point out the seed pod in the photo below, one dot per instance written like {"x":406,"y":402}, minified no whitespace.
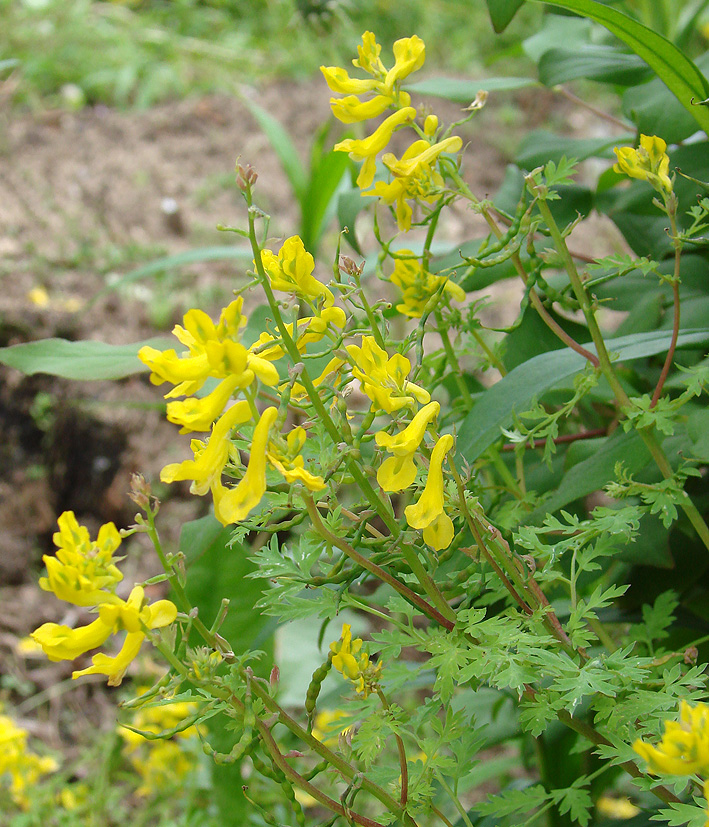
{"x":319,"y":675}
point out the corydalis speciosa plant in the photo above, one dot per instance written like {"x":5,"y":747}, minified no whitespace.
{"x":338,"y":433}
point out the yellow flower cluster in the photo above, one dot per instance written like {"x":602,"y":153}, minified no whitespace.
{"x":214,"y":352}
{"x":364,"y":675}
{"x":418,"y":286}
{"x":384,"y":380}
{"x":83,"y":573}
{"x":649,"y":162}
{"x":414,"y":177}
{"x":18,"y":763}
{"x":684,"y":748}
{"x":162,"y":762}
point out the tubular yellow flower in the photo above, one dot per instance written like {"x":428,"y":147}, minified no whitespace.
{"x":339,"y":81}
{"x":364,"y":675}
{"x":136,"y":617}
{"x":367,"y":149}
{"x":290,"y":463}
{"x":352,"y":110}
{"x":199,"y":414}
{"x":344,"y":651}
{"x":292,"y":272}
{"x":383,"y":379}
{"x":410,"y":54}
{"x":649,"y":162}
{"x":684,"y":748}
{"x":418,"y":285}
{"x":399,"y":472}
{"x":414,"y":177}
{"x":213,"y":350}
{"x":428,"y":513}
{"x":82,"y":572}
{"x":61,"y":642}
{"x":234,"y":504}
{"x":209,"y":461}
{"x":369,"y":59}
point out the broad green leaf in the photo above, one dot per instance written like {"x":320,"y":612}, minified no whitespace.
{"x":320,"y":199}
{"x":502,"y":11}
{"x":349,"y":205}
{"x":533,"y":338}
{"x":557,"y":32}
{"x":606,"y":64}
{"x":592,"y":473}
{"x":88,"y":361}
{"x":283,"y":147}
{"x":167,"y":263}
{"x":216,"y":571}
{"x":541,"y":146}
{"x":494,"y":409}
{"x":464,"y":91}
{"x":656,"y":111}
{"x":672,"y":66}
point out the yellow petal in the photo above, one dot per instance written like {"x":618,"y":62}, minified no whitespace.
{"x":430,"y":503}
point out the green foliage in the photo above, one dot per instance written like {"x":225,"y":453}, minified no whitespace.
{"x":506,"y":608}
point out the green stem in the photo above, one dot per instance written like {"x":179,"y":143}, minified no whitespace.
{"x":379,"y":502}
{"x":402,"y":755}
{"x":607,"y":370}
{"x":454,"y":798}
{"x":492,"y":357}
{"x":544,"y":315}
{"x":670,"y":205}
{"x":373,"y":568}
{"x":453,"y":361}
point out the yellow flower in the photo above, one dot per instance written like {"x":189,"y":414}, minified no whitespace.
{"x":684,"y":748}
{"x":383,"y":379}
{"x":618,"y":808}
{"x":61,"y":642}
{"x":209,"y":460}
{"x":649,"y":162}
{"x":234,"y":504}
{"x":290,"y":463}
{"x":292,"y":272}
{"x":414,"y":177}
{"x":339,"y":81}
{"x":82,"y":572}
{"x":308,"y":330}
{"x":351,"y":109}
{"x":409,"y":54}
{"x":136,"y":616}
{"x":326,"y":728}
{"x":367,"y":149}
{"x":399,"y":472}
{"x":23,"y":767}
{"x":364,"y":675}
{"x":213,"y":350}
{"x":428,"y":513}
{"x":418,"y":285}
